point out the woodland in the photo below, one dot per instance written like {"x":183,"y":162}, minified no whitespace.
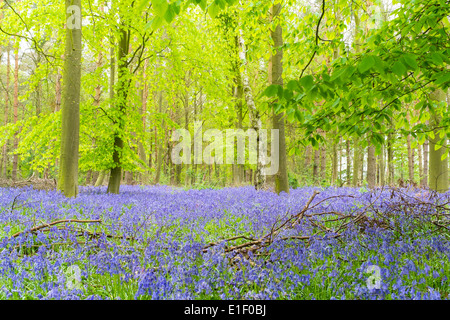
{"x":94,"y":93}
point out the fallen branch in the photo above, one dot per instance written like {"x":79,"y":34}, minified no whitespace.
{"x":48,"y":225}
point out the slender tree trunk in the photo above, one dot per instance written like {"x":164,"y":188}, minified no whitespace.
{"x":349,"y":165}
{"x":356,"y":162}
{"x":238,"y":94}
{"x":120,"y":105}
{"x":362,"y":156}
{"x":88,"y":178}
{"x":58,"y":91}
{"x":16,"y":106}
{"x":381,"y":167}
{"x":323,"y":162}
{"x":5,"y":146}
{"x":97,"y":98}
{"x":255,"y":116}
{"x":424,"y":182}
{"x":371,"y":167}
{"x":420,"y":156}
{"x":100,"y":179}
{"x":316,"y":166}
{"x":308,"y":156}
{"x":390,"y":154}
{"x":410,"y":159}
{"x":438,"y":173}
{"x":335,"y":162}
{"x":276,"y":77}
{"x":70,"y":112}
{"x":160,"y":146}
{"x":142,"y":155}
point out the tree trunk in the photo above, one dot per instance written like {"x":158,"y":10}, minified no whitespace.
{"x":371,"y":167}
{"x":438,"y":176}
{"x":334,"y":171}
{"x":5,"y":146}
{"x":256,"y":124}
{"x":100,"y":179}
{"x":390,"y":154}
{"x":88,"y":178}
{"x":410,"y":159}
{"x":276,"y":77}
{"x":349,"y":166}
{"x":128,"y":178}
{"x":160,"y":156}
{"x":70,"y":112}
{"x":121,"y":105}
{"x":356,"y":162}
{"x":16,"y":106}
{"x":361,"y":172}
{"x":58,"y":91}
{"x":316,"y":166}
{"x":308,"y":156}
{"x":142,"y":155}
{"x":424,"y":182}
{"x":381,"y":167}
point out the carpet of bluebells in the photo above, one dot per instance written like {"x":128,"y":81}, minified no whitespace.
{"x":150,"y":239}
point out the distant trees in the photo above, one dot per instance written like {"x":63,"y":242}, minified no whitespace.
{"x":351,"y":109}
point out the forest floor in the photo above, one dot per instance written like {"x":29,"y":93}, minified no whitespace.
{"x":160,"y":242}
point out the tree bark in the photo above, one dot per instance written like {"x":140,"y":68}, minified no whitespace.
{"x":424,"y":182}
{"x":159,"y":146}
{"x":316,"y":166}
{"x":438,"y":172}
{"x":349,"y":165}
{"x":410,"y":157}
{"x":70,"y":112}
{"x":16,"y":107}
{"x":120,"y":105}
{"x":381,"y":167}
{"x":276,"y":77}
{"x":335,"y":162}
{"x":356,"y":162}
{"x":371,"y":167}
{"x":5,"y":146}
{"x":323,"y":162}
{"x":256,"y":124}
{"x":100,"y":179}
{"x":390,"y":154}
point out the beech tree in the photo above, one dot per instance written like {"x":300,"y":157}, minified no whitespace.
{"x":70,"y":108}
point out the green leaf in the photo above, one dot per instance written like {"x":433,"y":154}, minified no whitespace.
{"x":411,"y":61}
{"x":270,"y":91}
{"x":170,"y":14}
{"x":299,"y":115}
{"x":213,"y":10}
{"x":160,"y":7}
{"x":348,"y":72}
{"x":293,"y":85}
{"x":143,"y":4}
{"x":444,"y":156}
{"x":436,"y":58}
{"x":398,"y":68}
{"x":336,"y":102}
{"x":287,"y":94}
{"x":443,"y":78}
{"x":202,"y":4}
{"x":366,"y":63}
{"x":155,"y":23}
{"x":280,"y":92}
{"x":307,"y":82}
